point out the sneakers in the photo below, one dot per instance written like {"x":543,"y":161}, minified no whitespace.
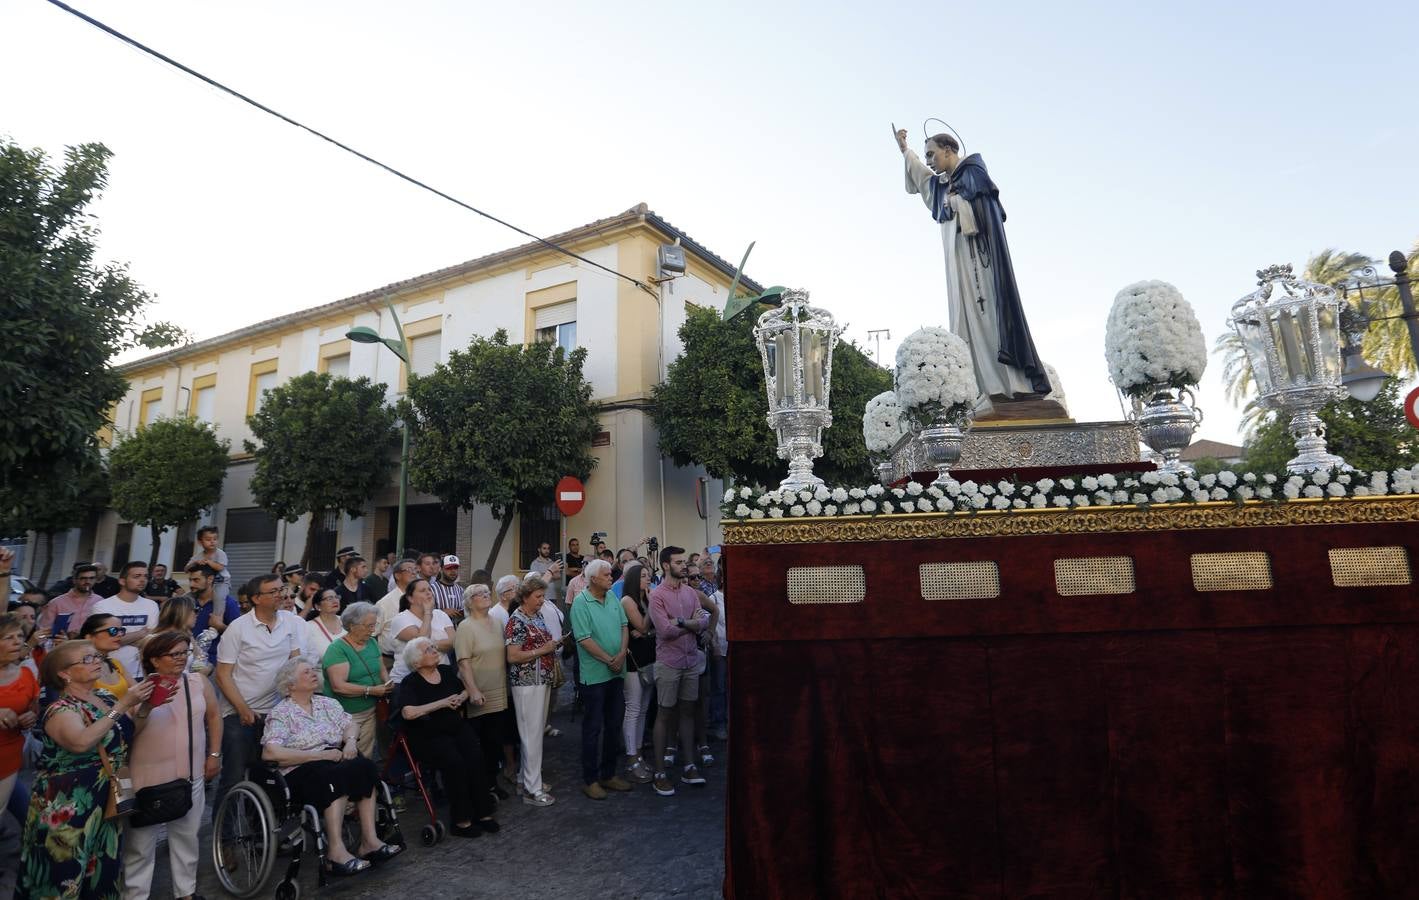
{"x":692,"y":775}
{"x":639,"y":772}
{"x":615,"y":783}
{"x":706,"y":757}
{"x":594,"y":791}
{"x":662,"y":785}
{"x":541,"y":798}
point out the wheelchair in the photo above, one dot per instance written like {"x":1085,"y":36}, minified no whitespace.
{"x":258,"y":820}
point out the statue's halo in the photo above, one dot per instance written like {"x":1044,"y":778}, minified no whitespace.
{"x":927,"y":131}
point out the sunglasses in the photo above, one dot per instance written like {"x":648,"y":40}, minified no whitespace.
{"x":114,"y":630}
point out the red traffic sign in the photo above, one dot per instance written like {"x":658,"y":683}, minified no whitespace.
{"x":1411,"y":407}
{"x":571,"y":495}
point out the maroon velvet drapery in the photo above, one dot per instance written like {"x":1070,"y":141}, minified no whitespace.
{"x":1166,"y":743}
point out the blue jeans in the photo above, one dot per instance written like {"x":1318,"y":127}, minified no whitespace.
{"x":241,"y":747}
{"x":719,"y":696}
{"x":603,"y":709}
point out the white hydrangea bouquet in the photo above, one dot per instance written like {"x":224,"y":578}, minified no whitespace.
{"x":882,"y":424}
{"x":1153,"y":340}
{"x":935,"y":379}
{"x":1133,"y":489}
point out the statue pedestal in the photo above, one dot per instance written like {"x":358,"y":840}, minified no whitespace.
{"x":1019,"y":443}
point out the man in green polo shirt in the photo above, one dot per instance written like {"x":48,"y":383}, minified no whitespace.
{"x":599,"y":623}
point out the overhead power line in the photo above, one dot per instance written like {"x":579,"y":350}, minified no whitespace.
{"x":139,"y":45}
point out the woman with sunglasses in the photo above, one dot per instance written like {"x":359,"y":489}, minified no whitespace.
{"x":69,"y":849}
{"x":104,"y":632}
{"x":174,"y":745}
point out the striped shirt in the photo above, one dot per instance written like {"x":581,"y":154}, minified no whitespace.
{"x":447,"y":597}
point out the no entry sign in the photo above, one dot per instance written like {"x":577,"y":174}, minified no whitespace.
{"x":571,"y":495}
{"x":1411,"y":407}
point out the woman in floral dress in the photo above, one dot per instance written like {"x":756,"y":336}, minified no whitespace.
{"x":69,"y":849}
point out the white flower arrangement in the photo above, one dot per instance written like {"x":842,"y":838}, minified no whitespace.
{"x":882,"y":424}
{"x":1153,"y":338}
{"x":1142,"y":490}
{"x":935,"y":377}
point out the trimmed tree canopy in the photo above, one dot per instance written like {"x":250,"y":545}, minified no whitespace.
{"x":321,"y":444}
{"x":710,"y":409}
{"x":167,"y":473}
{"x":498,"y":425}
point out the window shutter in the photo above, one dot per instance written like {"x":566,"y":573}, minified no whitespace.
{"x":556,"y":314}
{"x":424,"y":353}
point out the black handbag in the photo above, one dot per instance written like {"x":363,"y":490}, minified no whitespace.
{"x":170,"y":800}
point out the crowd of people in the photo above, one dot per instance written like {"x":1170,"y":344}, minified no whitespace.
{"x":332,"y":678}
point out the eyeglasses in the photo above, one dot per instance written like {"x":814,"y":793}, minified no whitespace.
{"x":275,"y":590}
{"x":430,"y":649}
{"x":177,"y":654}
{"x":114,"y":630}
{"x":88,"y":659}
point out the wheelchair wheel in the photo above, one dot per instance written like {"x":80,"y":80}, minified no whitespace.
{"x":244,"y":836}
{"x":288,"y":890}
{"x":428,"y":835}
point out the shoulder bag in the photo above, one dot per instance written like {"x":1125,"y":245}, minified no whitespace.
{"x":170,"y":800}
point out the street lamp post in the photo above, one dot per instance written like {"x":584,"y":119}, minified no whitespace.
{"x":400,"y":348}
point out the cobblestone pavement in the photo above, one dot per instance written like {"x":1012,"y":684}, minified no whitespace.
{"x":634,"y":845}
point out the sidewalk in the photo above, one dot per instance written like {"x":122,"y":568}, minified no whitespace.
{"x":636,"y":845}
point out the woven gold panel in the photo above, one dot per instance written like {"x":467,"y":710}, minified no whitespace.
{"x":1094,"y":575}
{"x":1369,"y":566}
{"x":827,"y":584}
{"x":1247,"y":571}
{"x":976,"y":580}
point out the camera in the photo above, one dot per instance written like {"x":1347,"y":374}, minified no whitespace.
{"x":653,"y":546}
{"x":597,"y":537}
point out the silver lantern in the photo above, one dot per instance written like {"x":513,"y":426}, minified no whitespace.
{"x":1290,"y":329}
{"x":796,"y":342}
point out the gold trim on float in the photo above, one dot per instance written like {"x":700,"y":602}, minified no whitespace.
{"x":1076,"y":520}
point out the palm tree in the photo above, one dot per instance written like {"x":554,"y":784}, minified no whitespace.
{"x":1326,"y":267}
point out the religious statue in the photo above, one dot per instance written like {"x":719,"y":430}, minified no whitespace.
{"x":982,"y":298}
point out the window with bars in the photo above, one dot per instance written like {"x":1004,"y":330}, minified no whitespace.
{"x":537,"y":524}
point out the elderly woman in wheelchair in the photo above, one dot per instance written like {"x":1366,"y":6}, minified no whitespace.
{"x":312,"y":739}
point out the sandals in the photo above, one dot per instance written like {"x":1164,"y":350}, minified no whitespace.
{"x":385,"y":851}
{"x":347,"y":868}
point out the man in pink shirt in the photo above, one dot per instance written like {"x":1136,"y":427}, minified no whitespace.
{"x":679,"y":621}
{"x":69,"y":606}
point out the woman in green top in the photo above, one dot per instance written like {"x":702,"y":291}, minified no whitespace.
{"x":354,"y":671}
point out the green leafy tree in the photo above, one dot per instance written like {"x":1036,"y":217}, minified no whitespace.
{"x":1369,"y":436}
{"x":321,"y":444}
{"x":498,"y":425}
{"x":710,"y":409}
{"x":66,"y":316}
{"x":37,"y":506}
{"x":1208,"y":465}
{"x":167,"y":473}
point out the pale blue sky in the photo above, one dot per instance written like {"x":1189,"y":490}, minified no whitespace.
{"x":1194,"y":144}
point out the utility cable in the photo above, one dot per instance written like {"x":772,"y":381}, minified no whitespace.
{"x":136,"y":44}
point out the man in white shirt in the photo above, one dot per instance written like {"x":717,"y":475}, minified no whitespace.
{"x":388,"y":606}
{"x":134,"y":612}
{"x":253,"y":649}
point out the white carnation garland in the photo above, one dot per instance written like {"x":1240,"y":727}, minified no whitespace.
{"x":1140,"y":490}
{"x":935,"y":379}
{"x":1152,"y":339}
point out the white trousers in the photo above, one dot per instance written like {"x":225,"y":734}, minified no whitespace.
{"x":639,"y":687}
{"x":140,"y":851}
{"x":531,"y":706}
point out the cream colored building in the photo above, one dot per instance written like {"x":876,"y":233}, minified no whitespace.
{"x":532,"y":292}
